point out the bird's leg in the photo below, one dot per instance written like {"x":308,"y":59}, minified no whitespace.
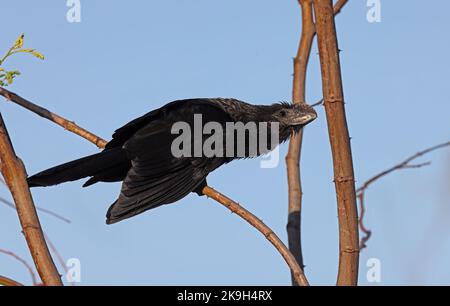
{"x":200,"y":187}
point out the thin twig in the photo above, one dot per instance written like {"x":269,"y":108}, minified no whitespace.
{"x":50,"y":244}
{"x":402,"y":165}
{"x":320,"y":102}
{"x":405,"y":164}
{"x":264,"y":229}
{"x":339,"y":5}
{"x":14,"y":173}
{"x":49,"y":212}
{"x":58,"y":255}
{"x":99,"y":142}
{"x":23,"y":262}
{"x":6,"y":281}
{"x":362,"y":212}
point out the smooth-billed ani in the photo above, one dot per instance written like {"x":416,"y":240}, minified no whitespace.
{"x":141,"y":154}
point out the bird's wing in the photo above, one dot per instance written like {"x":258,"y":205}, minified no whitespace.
{"x":175,"y":108}
{"x":156,"y":176}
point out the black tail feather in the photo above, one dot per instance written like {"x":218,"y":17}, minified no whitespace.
{"x":93,"y":165}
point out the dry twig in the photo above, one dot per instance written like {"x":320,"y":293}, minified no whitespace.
{"x":57,"y":254}
{"x":44,"y":210}
{"x":23,"y":262}
{"x":50,"y":244}
{"x":406,"y":164}
{"x":5,"y":281}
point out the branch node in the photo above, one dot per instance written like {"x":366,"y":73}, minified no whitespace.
{"x":332,"y":100}
{"x":343,"y":179}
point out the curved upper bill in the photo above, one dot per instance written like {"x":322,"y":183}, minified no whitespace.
{"x":305,"y":119}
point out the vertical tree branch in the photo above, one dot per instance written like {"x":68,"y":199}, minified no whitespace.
{"x":340,"y":142}
{"x":293,"y":157}
{"x":15,"y":176}
{"x":295,"y":145}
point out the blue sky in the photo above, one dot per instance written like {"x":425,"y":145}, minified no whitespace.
{"x":126,"y":58}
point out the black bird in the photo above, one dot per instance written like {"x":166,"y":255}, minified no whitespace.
{"x":140,"y":153}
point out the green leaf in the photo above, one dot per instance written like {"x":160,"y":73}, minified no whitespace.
{"x":37,"y":54}
{"x":9,"y":78}
{"x":10,"y":75}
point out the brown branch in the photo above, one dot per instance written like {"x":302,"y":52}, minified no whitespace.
{"x":5,"y":281}
{"x":14,"y":173}
{"x":338,"y":6}
{"x":295,"y":193}
{"x":405,"y":164}
{"x":99,"y":142}
{"x":340,"y":143}
{"x":264,"y":229}
{"x":23,"y":262}
{"x":66,"y":124}
{"x":362,"y":212}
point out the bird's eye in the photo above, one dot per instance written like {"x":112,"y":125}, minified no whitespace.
{"x":283,"y":113}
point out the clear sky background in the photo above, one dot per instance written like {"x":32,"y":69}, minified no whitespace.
{"x":126,"y":58}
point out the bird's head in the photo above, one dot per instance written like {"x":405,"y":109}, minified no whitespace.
{"x":293,"y":116}
{"x":290,"y":117}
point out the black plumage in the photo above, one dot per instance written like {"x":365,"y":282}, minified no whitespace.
{"x":140,"y":154}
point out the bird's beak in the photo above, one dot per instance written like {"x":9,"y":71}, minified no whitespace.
{"x":305,"y":119}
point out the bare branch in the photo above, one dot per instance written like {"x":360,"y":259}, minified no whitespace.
{"x":338,"y":6}
{"x":57,"y":254}
{"x":15,"y":176}
{"x":295,"y":193}
{"x":402,"y":165}
{"x":340,"y":142}
{"x":5,"y":281}
{"x":264,"y":229}
{"x":66,"y":124}
{"x":320,"y":102}
{"x":49,"y":212}
{"x":23,"y":262}
{"x":405,"y":164}
{"x":362,"y":212}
